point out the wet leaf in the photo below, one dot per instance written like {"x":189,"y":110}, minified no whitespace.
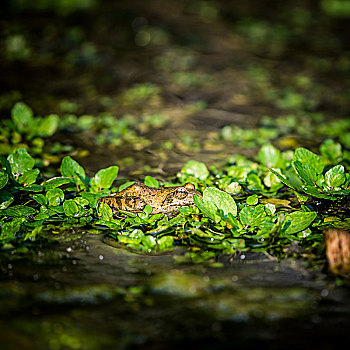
{"x":55,"y":196}
{"x":55,"y":182}
{"x":304,"y":156}
{"x":306,"y":172}
{"x":252,"y":200}
{"x":331,"y":151}
{"x":149,"y":242}
{"x":3,"y":179}
{"x":104,"y":178}
{"x":18,"y":211}
{"x":40,"y":198}
{"x":335,"y":176}
{"x":29,"y":177}
{"x":70,"y":207}
{"x":73,"y":170}
{"x":298,"y":221}
{"x":6,"y":198}
{"x":10,"y":228}
{"x":104,"y":211}
{"x":252,"y":216}
{"x":215,"y":200}
{"x":207,"y":208}
{"x":20,"y":161}
{"x":165,"y":243}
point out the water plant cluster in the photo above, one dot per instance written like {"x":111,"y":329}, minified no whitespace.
{"x":263,"y":204}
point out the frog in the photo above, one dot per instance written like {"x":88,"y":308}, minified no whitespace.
{"x":164,"y":200}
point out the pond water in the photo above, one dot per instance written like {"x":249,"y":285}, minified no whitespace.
{"x":83,"y":292}
{"x":86,"y":294}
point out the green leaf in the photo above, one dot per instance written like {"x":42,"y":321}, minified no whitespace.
{"x":252,"y":200}
{"x":289,"y":178}
{"x":207,"y":208}
{"x":150,"y":181}
{"x":5,"y":166}
{"x":18,"y":211}
{"x":29,"y":177}
{"x":254,"y":182}
{"x":20,"y":161}
{"x":55,"y":182}
{"x":215,"y":200}
{"x":252,"y":216}
{"x":3,"y":179}
{"x":197,"y":169}
{"x":221,"y":199}
{"x":331,"y":151}
{"x":48,"y":125}
{"x":125,"y":185}
{"x":313,"y":191}
{"x":71,"y":169}
{"x":10,"y":228}
{"x":165,"y":243}
{"x":40,"y":198}
{"x":6,"y":198}
{"x":306,"y":172}
{"x":70,"y":207}
{"x":33,"y":233}
{"x":149,"y":242}
{"x":298,"y":221}
{"x":335,"y":176}
{"x":305,"y":156}
{"x":104,"y":212}
{"x":55,"y":196}
{"x":32,"y":188}
{"x":269,"y":155}
{"x":22,"y":116}
{"x":90,"y":197}
{"x":104,"y":178}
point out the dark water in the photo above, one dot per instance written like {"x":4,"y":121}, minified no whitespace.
{"x":87,"y":294}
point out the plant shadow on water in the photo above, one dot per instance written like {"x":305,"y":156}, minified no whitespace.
{"x":156,"y":90}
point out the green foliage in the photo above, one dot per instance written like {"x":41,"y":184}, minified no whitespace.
{"x":216,"y":204}
{"x":223,"y":220}
{"x":104,"y":178}
{"x":307,"y":175}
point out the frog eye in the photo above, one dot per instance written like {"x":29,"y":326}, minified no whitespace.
{"x":189,"y":186}
{"x":181,"y":193}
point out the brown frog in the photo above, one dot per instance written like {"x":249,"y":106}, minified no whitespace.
{"x":162,"y":199}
